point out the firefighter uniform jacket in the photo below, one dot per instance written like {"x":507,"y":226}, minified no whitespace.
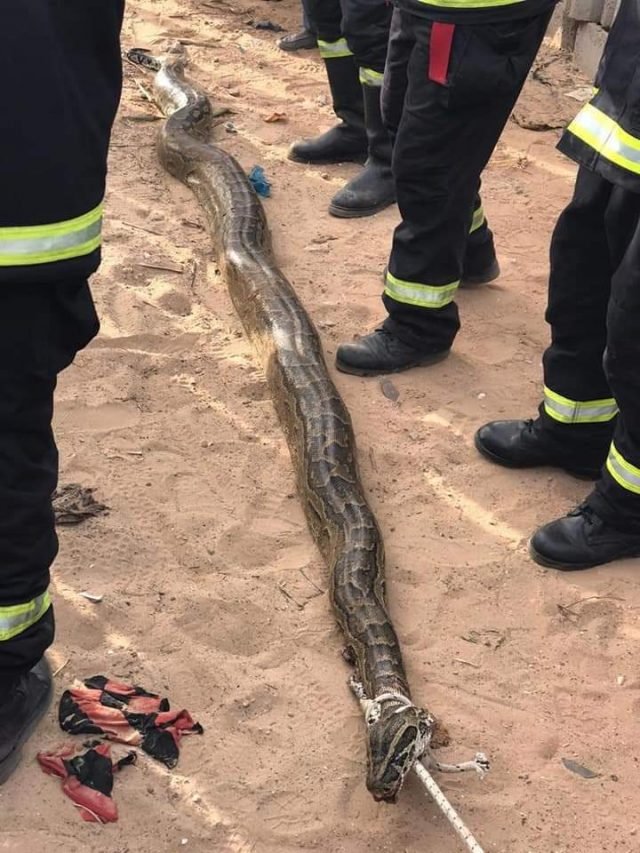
{"x":605,"y":136}
{"x":61,"y":77}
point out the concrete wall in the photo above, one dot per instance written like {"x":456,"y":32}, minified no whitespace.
{"x":585,"y":25}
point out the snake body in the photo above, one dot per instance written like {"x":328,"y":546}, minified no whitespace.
{"x":312,"y":413}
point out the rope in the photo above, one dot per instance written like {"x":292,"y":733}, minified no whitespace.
{"x":372,"y":710}
{"x":447,"y":809}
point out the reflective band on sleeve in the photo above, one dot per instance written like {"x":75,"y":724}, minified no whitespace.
{"x":369,"y":77}
{"x":478,"y":219}
{"x":421,"y":295}
{"x":607,"y":138}
{"x":17,"y":618}
{"x":623,"y":472}
{"x":568,"y":411}
{"x":333,"y":49}
{"x":45,"y":244}
{"x":470,"y":4}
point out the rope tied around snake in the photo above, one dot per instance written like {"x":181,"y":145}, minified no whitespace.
{"x":317,"y":427}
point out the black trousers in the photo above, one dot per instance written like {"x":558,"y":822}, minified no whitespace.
{"x":363,"y":23}
{"x":592,"y":368}
{"x":42,"y":327}
{"x":447,"y":94}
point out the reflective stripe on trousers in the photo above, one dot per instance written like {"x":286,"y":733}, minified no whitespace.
{"x":605,"y":136}
{"x":478,"y":219}
{"x":18,"y":617}
{"x":369,"y":77}
{"x":420,"y":295}
{"x":60,"y":241}
{"x":623,"y":472}
{"x":568,"y":411}
{"x":334,"y":49}
{"x":470,"y":4}
{"x":428,"y":295}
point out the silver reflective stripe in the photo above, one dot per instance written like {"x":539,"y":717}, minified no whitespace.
{"x":334,"y":49}
{"x":53,"y":243}
{"x":575,"y":411}
{"x":420,"y":295}
{"x":605,"y":136}
{"x":18,"y":617}
{"x":369,"y":77}
{"x":57,"y":241}
{"x":623,"y":472}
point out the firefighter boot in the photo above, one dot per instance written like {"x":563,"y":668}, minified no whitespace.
{"x":480,"y":262}
{"x":346,"y":141}
{"x":380,"y":353}
{"x":21,"y":708}
{"x":373,"y":189}
{"x":582,"y":540}
{"x":526,"y":444}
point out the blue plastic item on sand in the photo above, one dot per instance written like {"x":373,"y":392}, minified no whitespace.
{"x":259,"y":181}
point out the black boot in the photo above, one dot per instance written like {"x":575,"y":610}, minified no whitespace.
{"x":21,"y":709}
{"x":582,"y":540}
{"x":480,"y":262}
{"x":373,"y":189}
{"x":304,"y":40}
{"x":346,"y":141}
{"x":381,"y":352}
{"x":525,"y":444}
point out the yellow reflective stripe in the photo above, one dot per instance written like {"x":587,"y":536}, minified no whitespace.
{"x":607,"y":138}
{"x":478,"y":219}
{"x":470,"y":4}
{"x":369,"y":77}
{"x":623,"y":472}
{"x":333,"y":49}
{"x":421,"y":295}
{"x":568,"y":411}
{"x":17,"y":618}
{"x":40,"y":244}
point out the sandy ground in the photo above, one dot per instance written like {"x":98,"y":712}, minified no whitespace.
{"x":213,"y":590}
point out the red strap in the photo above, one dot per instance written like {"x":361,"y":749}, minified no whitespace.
{"x":440,"y":51}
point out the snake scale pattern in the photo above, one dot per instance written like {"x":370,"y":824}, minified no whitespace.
{"x":311,"y":412}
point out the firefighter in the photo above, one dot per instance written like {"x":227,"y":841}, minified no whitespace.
{"x":353,"y":45}
{"x":454,"y":72}
{"x":589,"y":420}
{"x":59,"y":100}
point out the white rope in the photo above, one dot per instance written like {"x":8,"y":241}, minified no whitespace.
{"x":372,"y":710}
{"x":447,"y":809}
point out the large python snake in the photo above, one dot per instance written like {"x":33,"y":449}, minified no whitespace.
{"x":312,"y":413}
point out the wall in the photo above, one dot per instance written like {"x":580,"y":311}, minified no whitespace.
{"x":584,"y":30}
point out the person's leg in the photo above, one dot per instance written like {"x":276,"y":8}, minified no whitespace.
{"x":607,"y":525}
{"x":463,"y":82}
{"x":303,"y":40}
{"x":346,"y":141}
{"x":41,"y":329}
{"x":577,"y":416}
{"x":365,"y":25}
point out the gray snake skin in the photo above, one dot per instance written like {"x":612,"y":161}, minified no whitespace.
{"x":312,"y":413}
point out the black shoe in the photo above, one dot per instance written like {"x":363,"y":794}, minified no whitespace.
{"x":340,"y":144}
{"x":524,"y":444}
{"x":474,"y":277}
{"x":582,"y":540}
{"x":348,"y":140}
{"x":20,"y":712}
{"x":374,"y":188}
{"x":480,"y":263}
{"x":304,"y":40}
{"x":381,"y":352}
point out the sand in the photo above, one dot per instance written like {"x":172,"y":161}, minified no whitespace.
{"x":214,"y":593}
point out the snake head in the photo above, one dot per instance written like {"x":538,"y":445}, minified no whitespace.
{"x":398,"y":736}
